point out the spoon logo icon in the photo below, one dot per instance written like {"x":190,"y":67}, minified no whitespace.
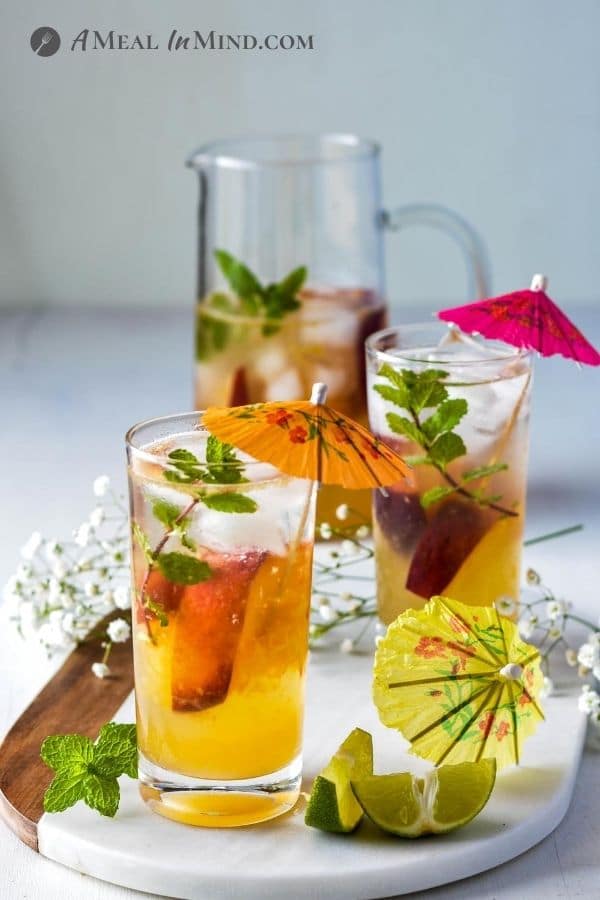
{"x":45,"y":41}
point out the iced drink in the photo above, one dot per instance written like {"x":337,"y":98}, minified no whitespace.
{"x":222,"y":552}
{"x":457,"y":409}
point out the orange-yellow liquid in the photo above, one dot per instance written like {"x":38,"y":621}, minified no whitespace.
{"x":257,"y":728}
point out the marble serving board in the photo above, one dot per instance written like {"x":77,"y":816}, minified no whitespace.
{"x":285,"y":858}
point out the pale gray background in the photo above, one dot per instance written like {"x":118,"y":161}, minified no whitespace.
{"x":488,"y":106}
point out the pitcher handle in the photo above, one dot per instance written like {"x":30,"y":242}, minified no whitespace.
{"x":472,"y":246}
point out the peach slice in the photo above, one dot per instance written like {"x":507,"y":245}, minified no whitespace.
{"x":207,"y":631}
{"x":451,"y":535}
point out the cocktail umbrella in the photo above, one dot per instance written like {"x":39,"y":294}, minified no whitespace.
{"x":459,"y":683}
{"x":528,"y":319}
{"x":308,"y":439}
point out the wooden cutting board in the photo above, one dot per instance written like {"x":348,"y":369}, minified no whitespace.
{"x":72,"y":701}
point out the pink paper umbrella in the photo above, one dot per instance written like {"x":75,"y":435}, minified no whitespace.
{"x":526,"y":319}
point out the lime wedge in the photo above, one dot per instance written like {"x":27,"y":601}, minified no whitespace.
{"x":332,"y":805}
{"x":446,"y":798}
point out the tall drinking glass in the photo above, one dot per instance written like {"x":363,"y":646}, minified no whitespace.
{"x":270,"y":207}
{"x":221,"y":567}
{"x":457,"y":408}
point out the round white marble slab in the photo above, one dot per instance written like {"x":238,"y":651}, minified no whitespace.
{"x":284,"y":858}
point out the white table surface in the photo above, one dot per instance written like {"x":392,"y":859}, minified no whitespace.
{"x":70,"y":385}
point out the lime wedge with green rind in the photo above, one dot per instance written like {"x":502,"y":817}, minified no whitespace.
{"x":332,"y":805}
{"x":446,"y":798}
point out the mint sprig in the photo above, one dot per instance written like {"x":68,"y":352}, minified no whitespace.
{"x":415,"y":392}
{"x":253,"y":299}
{"x":222,"y":466}
{"x":87,"y":770}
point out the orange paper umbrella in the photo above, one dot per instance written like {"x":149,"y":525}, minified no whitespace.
{"x":307,"y":439}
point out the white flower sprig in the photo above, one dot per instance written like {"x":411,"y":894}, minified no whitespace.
{"x":63,"y":589}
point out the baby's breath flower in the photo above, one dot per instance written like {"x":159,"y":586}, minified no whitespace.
{"x":554,"y":632}
{"x":346,"y":596}
{"x":341,"y":512}
{"x":327,"y":612}
{"x":505,"y":605}
{"x":118,"y":631}
{"x":362,"y":532}
{"x":122,"y":597}
{"x":587,"y":656}
{"x":31,"y":546}
{"x":589,"y":700}
{"x":100,"y":670}
{"x":91,"y":589}
{"x":547,"y":687}
{"x":350,"y":548}
{"x":55,"y":590}
{"x":83,"y":534}
{"x":533,"y":577}
{"x":528,"y":626}
{"x":101,"y":485}
{"x":555,"y":609}
{"x":12,"y":591}
{"x":59,"y":568}
{"x":325,"y":530}
{"x":347,"y":646}
{"x":53,"y":550}
{"x":97,"y":517}
{"x":105,"y":603}
{"x":25,"y":572}
{"x":571,"y":657}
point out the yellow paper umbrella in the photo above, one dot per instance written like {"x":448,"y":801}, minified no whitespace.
{"x":459,"y":683}
{"x":308,"y":439}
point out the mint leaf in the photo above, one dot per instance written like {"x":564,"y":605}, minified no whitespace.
{"x":484,"y":471}
{"x":222,"y":462}
{"x":115,"y":751}
{"x":397,"y":396}
{"x":101,"y":793}
{"x":62,"y":751}
{"x":435,"y":494}
{"x":242,"y":281}
{"x":89,"y":771}
{"x":186,"y":467}
{"x":66,"y":788}
{"x":401,"y":425}
{"x":445,"y":418}
{"x":403,"y":381}
{"x":291,"y":284}
{"x":142,"y":542}
{"x":447,"y":447}
{"x":165,"y":512}
{"x":230,"y":503}
{"x":182,"y":569}
{"x":427,"y":393}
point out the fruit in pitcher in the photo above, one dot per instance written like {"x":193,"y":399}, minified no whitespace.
{"x":207,"y":631}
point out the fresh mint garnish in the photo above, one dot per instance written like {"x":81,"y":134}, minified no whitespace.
{"x":87,"y":770}
{"x":182,"y":569}
{"x":415,"y":392}
{"x":221,"y":467}
{"x":251,"y":299}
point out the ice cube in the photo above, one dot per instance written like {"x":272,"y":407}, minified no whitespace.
{"x":286,"y":385}
{"x":271,"y":527}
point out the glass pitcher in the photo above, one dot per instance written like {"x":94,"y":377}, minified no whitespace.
{"x":291,"y":277}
